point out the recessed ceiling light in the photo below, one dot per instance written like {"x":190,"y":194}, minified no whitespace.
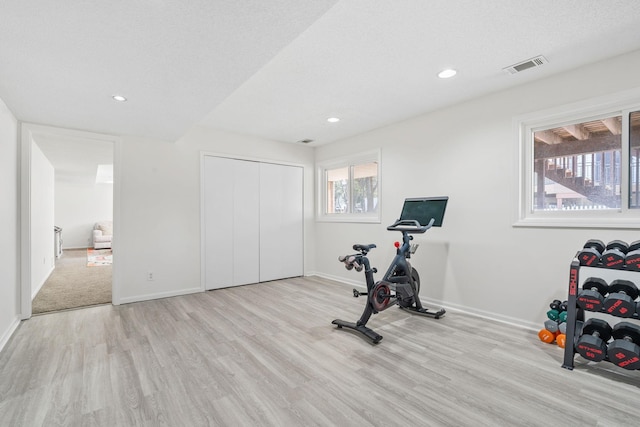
{"x":119,"y":98}
{"x":445,"y":74}
{"x":333,"y":120}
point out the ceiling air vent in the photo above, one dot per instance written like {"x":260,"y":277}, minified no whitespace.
{"x":525,"y":65}
{"x":305,"y":141}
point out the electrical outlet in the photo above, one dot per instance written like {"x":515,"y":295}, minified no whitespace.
{"x":149,"y":275}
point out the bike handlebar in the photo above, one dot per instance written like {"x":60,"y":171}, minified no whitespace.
{"x":410,"y":226}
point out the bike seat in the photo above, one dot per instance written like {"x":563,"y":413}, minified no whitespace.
{"x":363,"y":248}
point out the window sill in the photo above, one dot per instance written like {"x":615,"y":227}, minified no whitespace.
{"x":349,"y":219}
{"x":556,"y":222}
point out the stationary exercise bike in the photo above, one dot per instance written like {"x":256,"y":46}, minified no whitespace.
{"x":401,"y":283}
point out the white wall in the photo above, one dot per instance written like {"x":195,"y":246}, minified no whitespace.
{"x":79,"y":204}
{"x":9,"y":244}
{"x":42,"y":235}
{"x":79,"y":201}
{"x":159,"y":228}
{"x":477,"y":261}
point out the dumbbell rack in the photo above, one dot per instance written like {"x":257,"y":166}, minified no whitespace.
{"x":576,"y":313}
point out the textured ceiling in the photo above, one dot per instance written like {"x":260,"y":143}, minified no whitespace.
{"x":278,"y":69}
{"x":73,"y":158}
{"x":60,"y":62}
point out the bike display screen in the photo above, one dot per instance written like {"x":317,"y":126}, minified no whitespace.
{"x":425,"y":208}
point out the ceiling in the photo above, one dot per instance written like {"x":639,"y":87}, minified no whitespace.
{"x":73,"y":158}
{"x":277,"y":69}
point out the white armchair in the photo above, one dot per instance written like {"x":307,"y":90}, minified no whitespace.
{"x":102,"y":235}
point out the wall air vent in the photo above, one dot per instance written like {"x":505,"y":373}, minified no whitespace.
{"x":305,"y":141}
{"x":525,"y":65}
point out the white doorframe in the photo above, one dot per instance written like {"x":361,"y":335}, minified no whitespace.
{"x":28,"y":132}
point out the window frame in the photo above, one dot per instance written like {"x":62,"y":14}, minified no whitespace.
{"x":321,"y":190}
{"x":622,"y":104}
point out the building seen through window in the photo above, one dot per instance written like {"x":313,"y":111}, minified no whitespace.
{"x":579,"y":166}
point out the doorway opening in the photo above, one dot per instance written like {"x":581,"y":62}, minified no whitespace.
{"x":67,"y":238}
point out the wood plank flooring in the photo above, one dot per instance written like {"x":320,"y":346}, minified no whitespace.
{"x":267,"y":355}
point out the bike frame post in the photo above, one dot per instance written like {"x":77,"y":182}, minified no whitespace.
{"x":368,"y":274}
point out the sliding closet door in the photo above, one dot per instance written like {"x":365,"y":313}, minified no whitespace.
{"x":217,"y":257}
{"x":231,"y":225}
{"x":246,"y":224}
{"x":281,"y":222}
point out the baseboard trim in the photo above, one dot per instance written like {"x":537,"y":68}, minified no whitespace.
{"x":359,"y":284}
{"x":519,"y":323}
{"x":449,"y":306}
{"x":9,"y":332}
{"x":159,"y":295}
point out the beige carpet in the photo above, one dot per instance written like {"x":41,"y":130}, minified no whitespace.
{"x":72,"y":284}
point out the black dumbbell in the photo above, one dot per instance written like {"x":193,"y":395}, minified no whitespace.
{"x":624,"y":350}
{"x":592,"y":295}
{"x":614,"y":255}
{"x":620,"y":301}
{"x":632,"y":259}
{"x":592,"y":344}
{"x":557,"y":307}
{"x":555,"y":304}
{"x":591,"y":252}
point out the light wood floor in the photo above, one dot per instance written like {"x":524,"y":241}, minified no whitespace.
{"x":268,"y":355}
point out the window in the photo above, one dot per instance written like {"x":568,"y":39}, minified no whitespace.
{"x":581,"y":167}
{"x":577,"y":166}
{"x":634,"y":160}
{"x":349,"y":189}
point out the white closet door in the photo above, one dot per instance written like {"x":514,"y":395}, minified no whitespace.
{"x":231,"y":203}
{"x":218,"y":192}
{"x":246,"y":223}
{"x":281,"y":222}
